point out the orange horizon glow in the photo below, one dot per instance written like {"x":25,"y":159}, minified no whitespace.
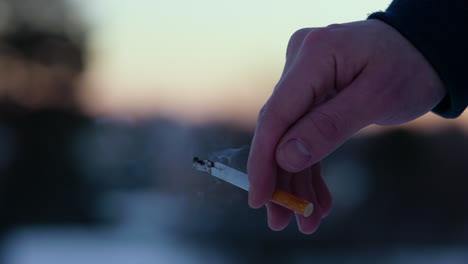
{"x":204,"y":61}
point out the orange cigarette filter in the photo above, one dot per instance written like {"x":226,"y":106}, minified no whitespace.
{"x":241,"y":180}
{"x":293,"y":202}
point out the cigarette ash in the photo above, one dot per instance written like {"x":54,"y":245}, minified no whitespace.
{"x":235,"y":158}
{"x":203,"y":165}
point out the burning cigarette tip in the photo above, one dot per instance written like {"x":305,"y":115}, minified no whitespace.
{"x":207,"y":163}
{"x":202,"y":165}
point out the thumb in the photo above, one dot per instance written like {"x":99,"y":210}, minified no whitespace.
{"x":326,"y":126}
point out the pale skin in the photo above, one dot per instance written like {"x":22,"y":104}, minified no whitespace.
{"x":336,"y":81}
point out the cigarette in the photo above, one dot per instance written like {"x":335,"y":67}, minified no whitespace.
{"x":241,"y":180}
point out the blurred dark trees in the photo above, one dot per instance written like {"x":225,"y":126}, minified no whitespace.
{"x":42,"y":53}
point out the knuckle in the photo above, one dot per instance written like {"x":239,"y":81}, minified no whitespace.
{"x":326,"y":125}
{"x":319,"y":35}
{"x":262,"y":113}
{"x":299,"y":35}
{"x":332,"y":37}
{"x":296,"y":40}
{"x":334,"y":27}
{"x":272,"y":114}
{"x":266,"y":114}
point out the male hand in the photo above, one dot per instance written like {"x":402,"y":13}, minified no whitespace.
{"x":336,"y":81}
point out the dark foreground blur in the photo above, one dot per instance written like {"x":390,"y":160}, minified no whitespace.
{"x":78,"y":190}
{"x":126,"y":192}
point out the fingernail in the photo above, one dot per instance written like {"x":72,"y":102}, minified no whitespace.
{"x":295,"y":154}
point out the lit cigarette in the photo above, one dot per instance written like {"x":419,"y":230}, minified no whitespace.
{"x":241,"y":180}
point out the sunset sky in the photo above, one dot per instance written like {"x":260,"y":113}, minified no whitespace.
{"x":198,"y":61}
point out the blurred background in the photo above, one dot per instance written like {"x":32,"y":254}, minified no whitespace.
{"x":103,"y":105}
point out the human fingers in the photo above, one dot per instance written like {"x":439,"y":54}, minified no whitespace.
{"x":302,"y":186}
{"x":309,"y":80}
{"x":324,"y":196}
{"x":279,"y":216}
{"x":325,"y":127}
{"x":391,"y":83}
{"x":294,"y":46}
{"x":309,"y":185}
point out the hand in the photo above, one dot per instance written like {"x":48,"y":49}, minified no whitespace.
{"x":336,"y":81}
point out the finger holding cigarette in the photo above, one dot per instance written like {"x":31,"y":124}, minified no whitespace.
{"x":240,"y":180}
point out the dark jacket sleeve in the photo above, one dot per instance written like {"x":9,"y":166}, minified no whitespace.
{"x":439,"y":30}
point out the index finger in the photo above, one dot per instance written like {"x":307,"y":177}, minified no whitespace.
{"x":307,"y":81}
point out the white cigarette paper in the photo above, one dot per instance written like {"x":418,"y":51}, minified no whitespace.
{"x":241,"y":180}
{"x":223,"y":172}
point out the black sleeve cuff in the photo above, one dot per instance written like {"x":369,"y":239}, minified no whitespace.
{"x":439,"y":30}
